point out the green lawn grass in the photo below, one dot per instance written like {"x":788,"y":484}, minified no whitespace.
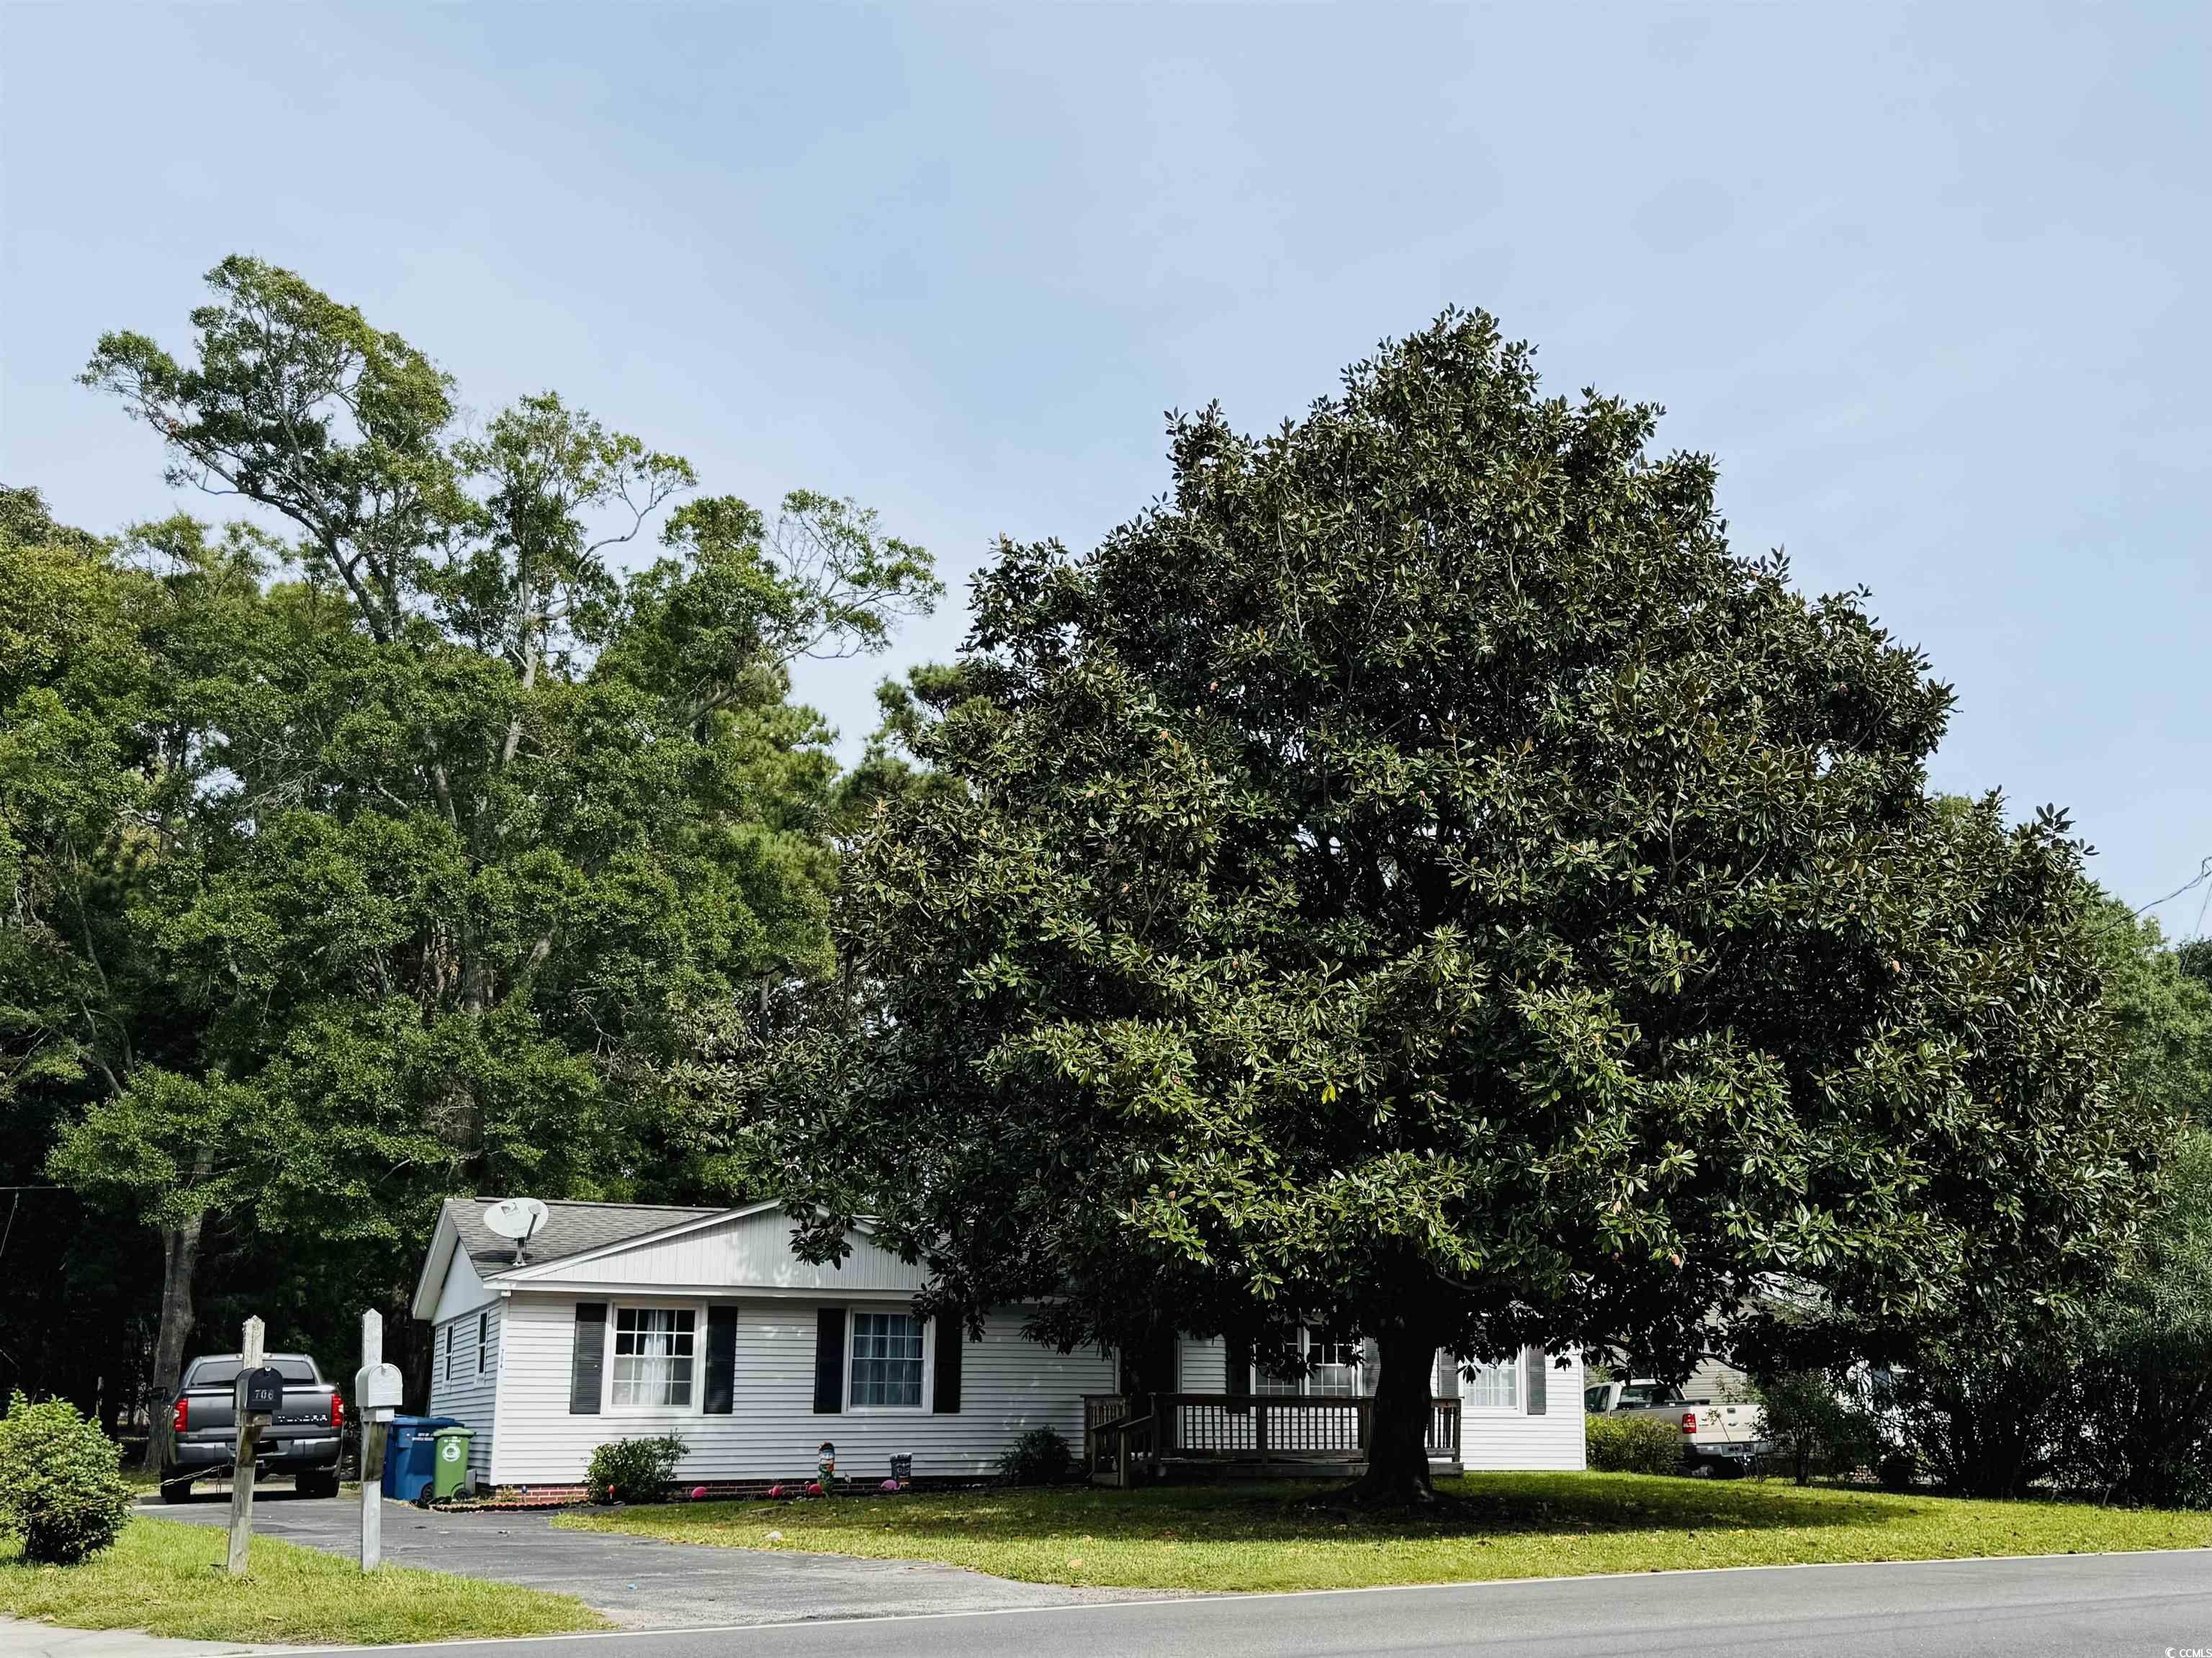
{"x":167,"y":1578}
{"x":1505,"y":1525}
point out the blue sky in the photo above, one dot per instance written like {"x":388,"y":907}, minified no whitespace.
{"x":1930,"y":281}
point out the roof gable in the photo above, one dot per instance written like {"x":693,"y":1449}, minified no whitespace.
{"x":729,"y":1249}
{"x":570,"y":1229}
{"x":613,"y":1247}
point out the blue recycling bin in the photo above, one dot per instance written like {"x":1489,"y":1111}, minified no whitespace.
{"x":410,"y":1454}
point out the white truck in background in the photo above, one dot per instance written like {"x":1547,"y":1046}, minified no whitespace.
{"x":1723,"y":1428}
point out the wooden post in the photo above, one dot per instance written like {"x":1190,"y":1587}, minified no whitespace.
{"x":372,"y":1450}
{"x":250,"y":1354}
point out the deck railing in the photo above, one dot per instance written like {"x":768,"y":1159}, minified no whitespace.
{"x":1123,"y":1433}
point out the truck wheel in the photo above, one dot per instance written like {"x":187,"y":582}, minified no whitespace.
{"x":176,"y":1491}
{"x":316,"y":1484}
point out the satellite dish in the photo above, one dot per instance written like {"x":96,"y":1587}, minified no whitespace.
{"x":518,"y":1219}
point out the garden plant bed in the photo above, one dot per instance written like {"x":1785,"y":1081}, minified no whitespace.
{"x":1493,"y":1526}
{"x":167,"y":1578}
{"x":755,"y":1491}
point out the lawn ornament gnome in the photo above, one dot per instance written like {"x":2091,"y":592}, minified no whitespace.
{"x":825,"y":1468}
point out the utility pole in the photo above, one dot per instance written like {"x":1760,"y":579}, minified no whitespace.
{"x":250,"y":1354}
{"x":375,"y":1396}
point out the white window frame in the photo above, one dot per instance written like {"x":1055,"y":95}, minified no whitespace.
{"x":1510,"y":1369}
{"x":928,"y":1327}
{"x":1364,"y":1373}
{"x":483,"y":1340}
{"x":696,"y":1388}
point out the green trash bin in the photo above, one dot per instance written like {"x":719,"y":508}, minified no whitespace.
{"x":449,"y":1475}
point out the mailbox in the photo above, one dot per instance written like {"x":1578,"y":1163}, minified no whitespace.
{"x":376,"y":1389}
{"x":260,"y":1392}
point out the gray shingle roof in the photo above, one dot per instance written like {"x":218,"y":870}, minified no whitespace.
{"x":570,"y":1229}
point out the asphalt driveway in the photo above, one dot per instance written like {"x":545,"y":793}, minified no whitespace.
{"x":633,"y":1580}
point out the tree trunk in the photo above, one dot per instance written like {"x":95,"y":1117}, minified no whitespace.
{"x":1398,"y":1436}
{"x":181,"y":1253}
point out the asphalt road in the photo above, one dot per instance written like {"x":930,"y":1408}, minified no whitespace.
{"x":2077,"y":1607}
{"x":636,"y":1580}
{"x":683,"y":1601}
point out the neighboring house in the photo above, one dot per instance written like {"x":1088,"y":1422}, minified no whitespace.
{"x":1711,"y":1382}
{"x":626,"y":1320}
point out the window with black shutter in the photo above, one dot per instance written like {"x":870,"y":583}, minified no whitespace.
{"x":722,"y":1360}
{"x":829,"y":1360}
{"x":944,"y":1386}
{"x":1237,"y":1353}
{"x":588,"y":1359}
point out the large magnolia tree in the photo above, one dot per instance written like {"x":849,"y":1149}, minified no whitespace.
{"x":1417,"y":879}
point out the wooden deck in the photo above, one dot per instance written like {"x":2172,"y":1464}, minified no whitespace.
{"x":1130,"y":1438}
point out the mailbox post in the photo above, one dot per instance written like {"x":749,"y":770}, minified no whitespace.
{"x":376,"y":1389}
{"x":260,"y":1393}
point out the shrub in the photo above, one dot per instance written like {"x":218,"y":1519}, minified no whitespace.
{"x":60,"y":1490}
{"x":634,"y":1470}
{"x":1897,"y":1470}
{"x":1632,"y":1444}
{"x":1039,"y":1457}
{"x":1818,"y":1423}
{"x":2139,"y":1411}
{"x":1984,"y":1413}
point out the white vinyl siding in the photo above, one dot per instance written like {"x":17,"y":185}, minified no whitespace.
{"x":1009,"y":1385}
{"x":462,"y":1291}
{"x":1491,"y":1438}
{"x":1201,"y":1366}
{"x":469,"y":1394}
{"x":721,"y":1257}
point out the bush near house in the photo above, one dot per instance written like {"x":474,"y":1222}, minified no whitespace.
{"x":1632,"y":1444}
{"x":634,"y":1470}
{"x":1039,"y":1457}
{"x":61,"y":1491}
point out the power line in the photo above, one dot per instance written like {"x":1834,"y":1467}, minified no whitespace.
{"x":2203,"y":874}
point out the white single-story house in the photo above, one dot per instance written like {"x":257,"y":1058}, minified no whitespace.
{"x":625,"y":1320}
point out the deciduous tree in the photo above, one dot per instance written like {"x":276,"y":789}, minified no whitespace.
{"x":442,"y":826}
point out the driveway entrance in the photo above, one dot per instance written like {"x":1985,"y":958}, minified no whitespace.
{"x":635,"y":1581}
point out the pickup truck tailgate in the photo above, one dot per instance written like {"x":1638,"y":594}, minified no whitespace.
{"x":211,"y":1422}
{"x":1729,"y":1423}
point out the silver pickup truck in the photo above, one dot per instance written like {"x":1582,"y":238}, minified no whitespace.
{"x":301,"y":1440}
{"x":1719,"y":1435}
